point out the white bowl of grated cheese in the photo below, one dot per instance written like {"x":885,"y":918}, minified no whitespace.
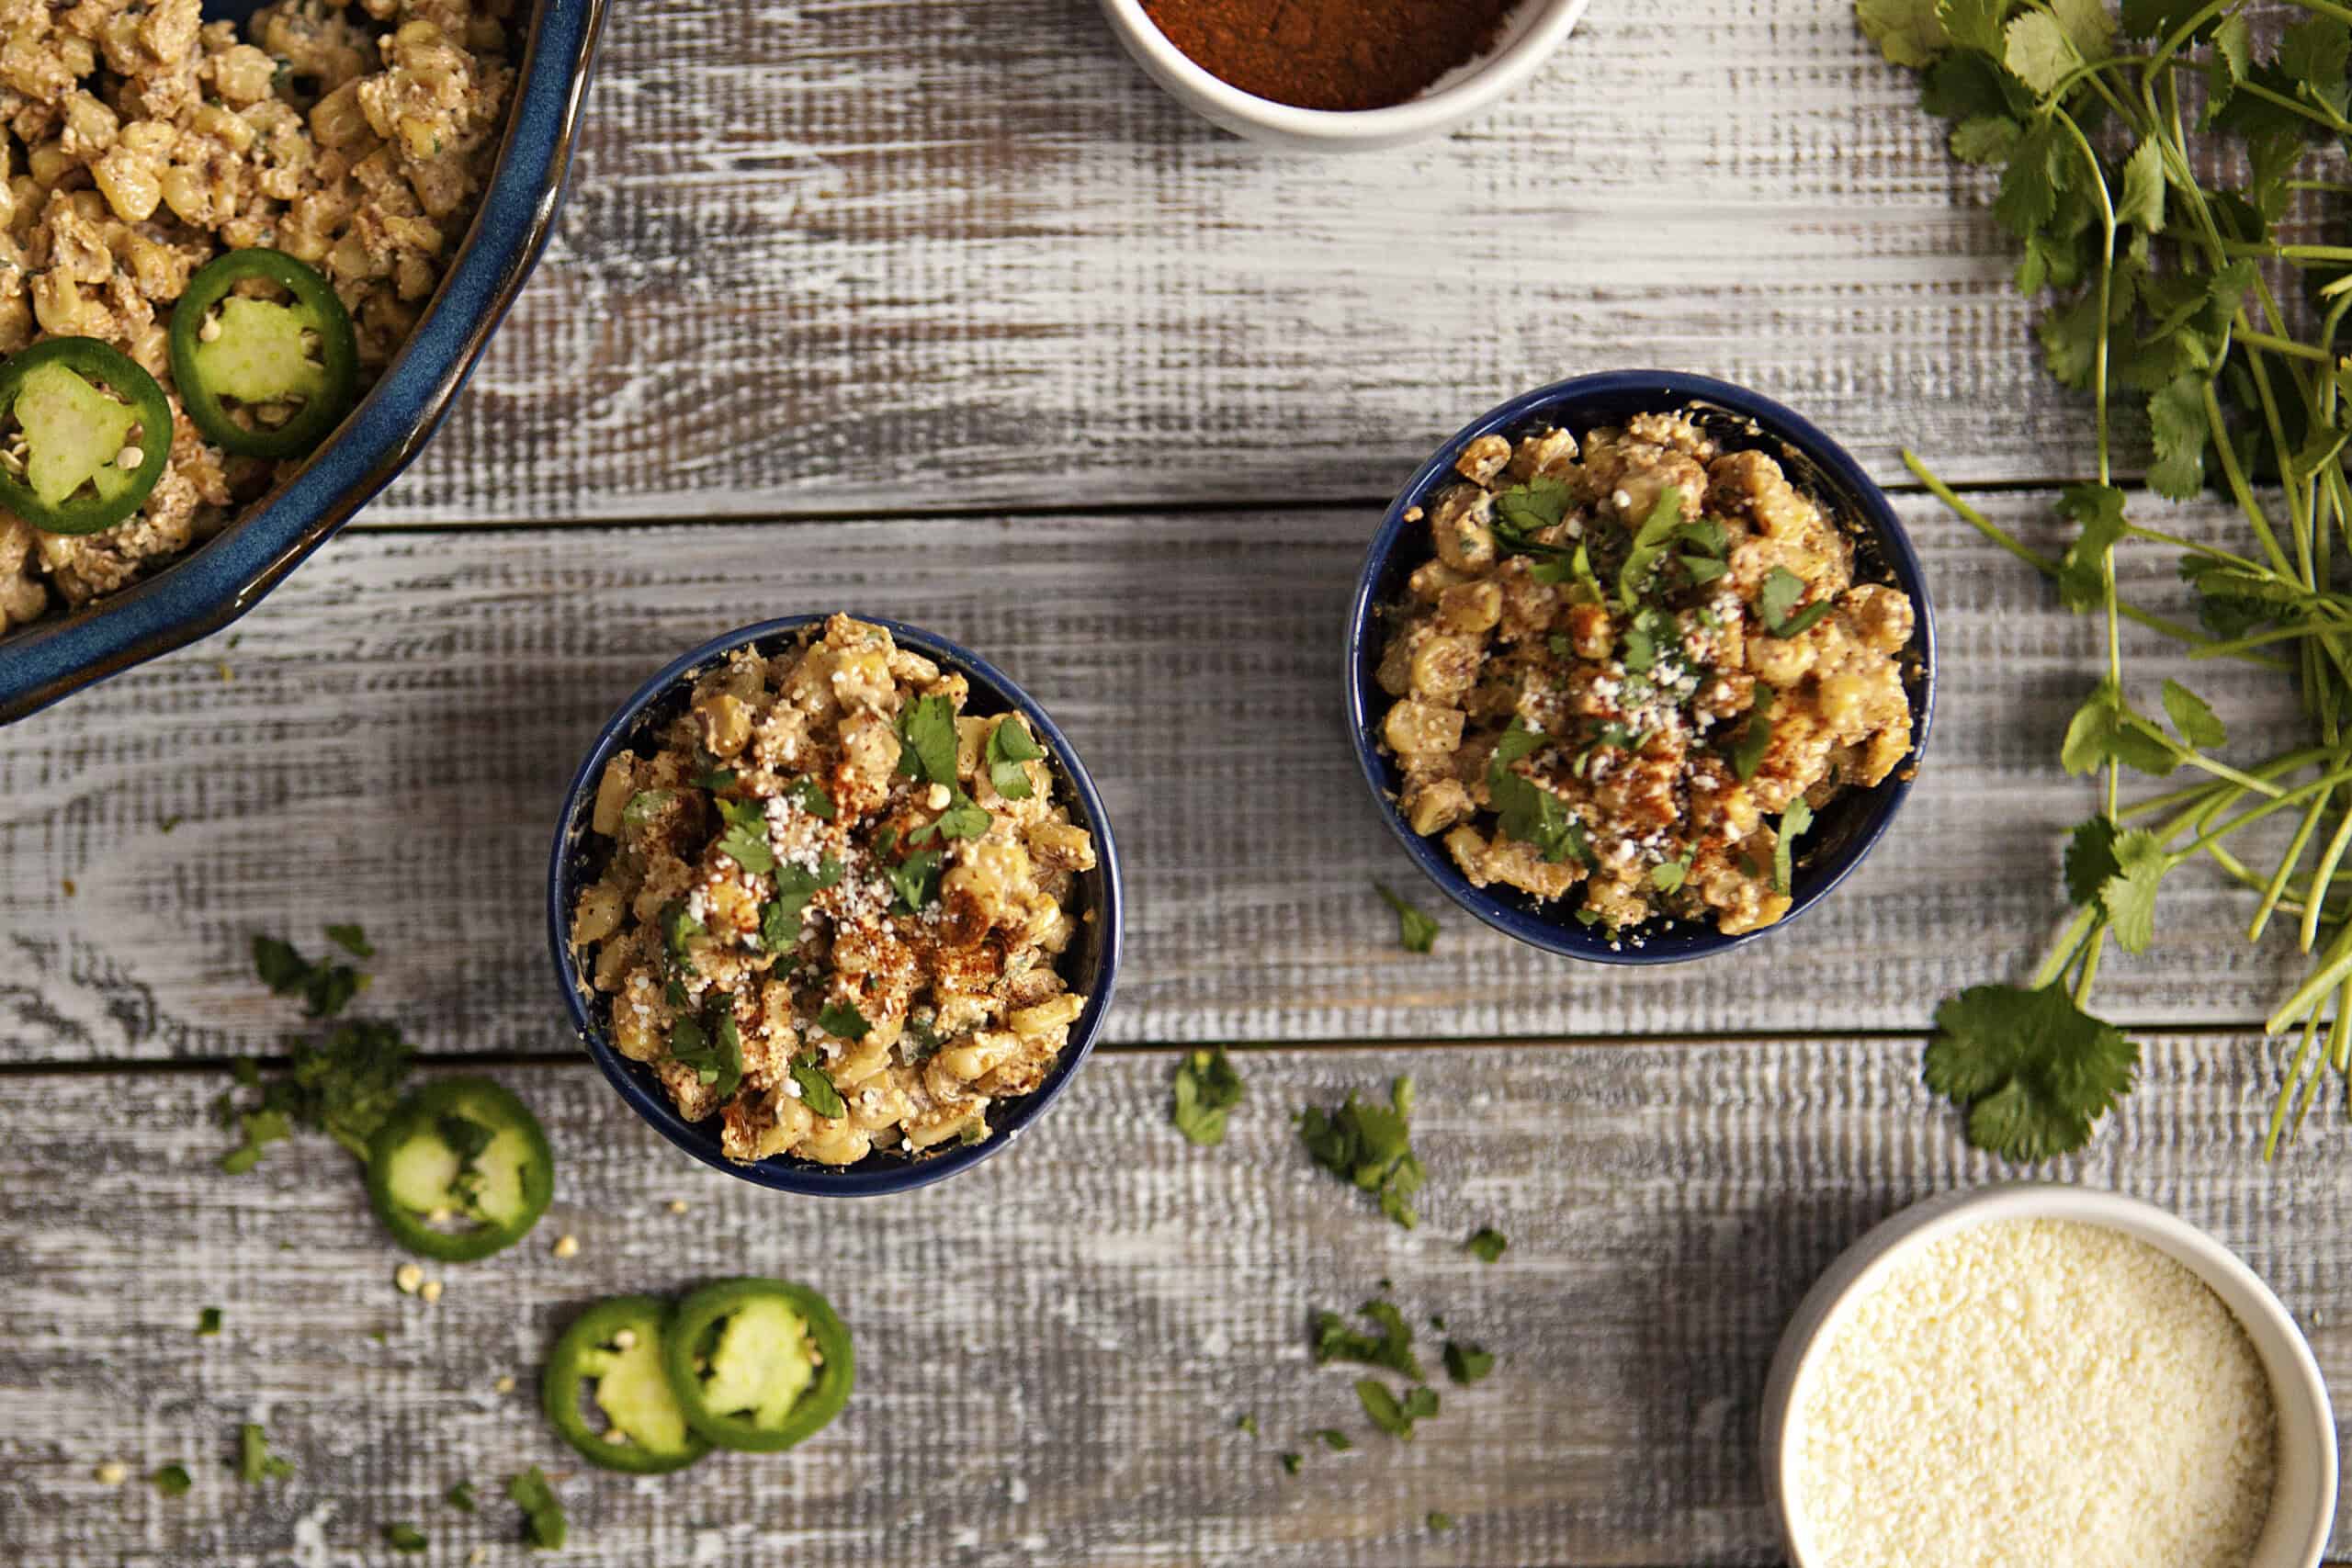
{"x":2035,"y":1374}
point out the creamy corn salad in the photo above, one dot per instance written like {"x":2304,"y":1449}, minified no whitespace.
{"x":1637,"y":668}
{"x":354,"y":135}
{"x":835,"y":903}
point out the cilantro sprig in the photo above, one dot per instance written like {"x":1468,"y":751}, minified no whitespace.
{"x":2196,"y":299}
{"x":1207,"y":1090}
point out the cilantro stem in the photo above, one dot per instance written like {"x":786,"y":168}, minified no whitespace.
{"x":2091,"y":950}
{"x":2238,"y":487}
{"x":2330,"y":858}
{"x":2287,"y":1091}
{"x":2247,"y":818}
{"x":2284,"y":346}
{"x":2230,"y":558}
{"x":2197,"y":759}
{"x":2334,"y":965}
{"x":2317,"y":115}
{"x":2277,"y":888}
{"x":2069,"y":943}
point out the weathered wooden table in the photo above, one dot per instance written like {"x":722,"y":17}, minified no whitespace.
{"x":939,"y":310}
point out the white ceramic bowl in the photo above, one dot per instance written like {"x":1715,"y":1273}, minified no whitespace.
{"x":2302,"y":1499}
{"x":1529,"y":37}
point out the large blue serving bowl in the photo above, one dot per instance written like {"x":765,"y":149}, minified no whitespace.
{"x":1846,"y":831}
{"x":1091,"y":964}
{"x":221,"y":579}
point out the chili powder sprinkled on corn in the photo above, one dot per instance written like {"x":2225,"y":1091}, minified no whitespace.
{"x":1331,"y":54}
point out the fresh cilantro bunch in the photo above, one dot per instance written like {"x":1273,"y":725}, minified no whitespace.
{"x":2192,"y":299}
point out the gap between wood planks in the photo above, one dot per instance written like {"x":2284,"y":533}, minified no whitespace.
{"x":194,"y":1065}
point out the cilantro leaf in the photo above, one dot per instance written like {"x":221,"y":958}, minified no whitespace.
{"x":1415,"y":931}
{"x":2129,"y":896}
{"x":1974,"y":24}
{"x":1777,"y":602}
{"x":843,"y":1021}
{"x":404,"y":1537}
{"x":714,"y":779}
{"x":677,"y":925}
{"x":1391,"y":1414}
{"x":813,"y":799}
{"x":745,"y":839}
{"x":1289,"y":1462}
{"x":2106,"y":727}
{"x":2082,"y":573}
{"x":795,"y":886}
{"x":1370,"y":1145}
{"x":1793,"y":821}
{"x":1331,"y":1437}
{"x":1650,"y":541}
{"x":2177,"y":417}
{"x":1207,"y":1088}
{"x":1755,"y":739}
{"x":645,"y":805}
{"x":2090,"y":859}
{"x":2033,"y":1072}
{"x":172,"y":1480}
{"x":325,"y":989}
{"x":460,"y":1497}
{"x":1908,"y":32}
{"x":962,"y":819}
{"x":255,"y":1463}
{"x":715,"y":1052}
{"x":543,"y":1521}
{"x":1439,"y":1520}
{"x":1485,"y":1244}
{"x":1525,"y":809}
{"x":915,"y":879}
{"x":2040,"y":46}
{"x":1009,"y":746}
{"x":817,"y":1090}
{"x":1246,"y":1423}
{"x":2142,"y":204}
{"x":1522,"y":511}
{"x":1392,"y":1348}
{"x":2194,"y":718}
{"x":207,"y":1321}
{"x":927,"y":740}
{"x":352,"y":940}
{"x":1465,"y":1364}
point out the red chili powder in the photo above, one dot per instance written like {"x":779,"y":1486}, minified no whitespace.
{"x":1331,"y":54}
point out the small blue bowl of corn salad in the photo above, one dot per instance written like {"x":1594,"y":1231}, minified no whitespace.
{"x":1640,"y":666}
{"x":835,"y":905}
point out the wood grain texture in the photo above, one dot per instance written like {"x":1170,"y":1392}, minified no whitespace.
{"x":1036,"y":1388}
{"x":403,"y":716}
{"x":836,"y":257}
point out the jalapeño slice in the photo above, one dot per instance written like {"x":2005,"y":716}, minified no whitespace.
{"x":291,"y":366}
{"x":758,"y":1364}
{"x":612,"y":1353}
{"x":79,"y":408}
{"x":462,"y":1154}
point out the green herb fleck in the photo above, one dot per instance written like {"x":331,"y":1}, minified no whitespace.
{"x":915,"y":880}
{"x":255,"y":1463}
{"x":1289,"y":1464}
{"x":817,"y":1090}
{"x":1439,"y":1521}
{"x":172,"y":1481}
{"x":208,"y":1320}
{"x":843,"y":1021}
{"x":1415,"y":931}
{"x":1747,"y":751}
{"x":962,"y":819}
{"x":795,"y":886}
{"x":1333,"y":1438}
{"x":1009,"y":746}
{"x":1246,"y":1423}
{"x":646,"y":805}
{"x":745,"y":839}
{"x":1793,"y":821}
{"x":543,"y":1521}
{"x":1391,"y":1348}
{"x":814,"y":800}
{"x":1650,"y":541}
{"x":352,"y":940}
{"x":404,"y":1537}
{"x":1207,"y":1088}
{"x":460,"y":1497}
{"x":1370,"y":1145}
{"x":325,"y":989}
{"x":927,"y":740}
{"x":1777,"y":602}
{"x":1465,"y":1364}
{"x":1391,"y":1414}
{"x":1485,"y":1244}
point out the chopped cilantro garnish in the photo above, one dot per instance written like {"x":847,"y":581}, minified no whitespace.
{"x":814,"y":800}
{"x":1207,"y":1087}
{"x":1465,"y":1364}
{"x":1666,"y":875}
{"x":843,"y":1020}
{"x":543,"y":1521}
{"x":2032,"y":1070}
{"x":780,"y":922}
{"x":1793,"y":821}
{"x":1777,"y":600}
{"x":1392,"y":1348}
{"x":927,"y":740}
{"x":1525,"y":510}
{"x":460,"y":1497}
{"x":915,"y":880}
{"x":817,"y":1090}
{"x":1703,"y":570}
{"x":207,"y":1321}
{"x":646,"y":805}
{"x":677,"y":925}
{"x":1333,"y":1438}
{"x":1485,"y":1244}
{"x":1246,"y":1423}
{"x":352,"y":940}
{"x":1525,"y":809}
{"x":255,"y":1463}
{"x":1391,"y":1414}
{"x":714,"y":779}
{"x":1440,"y":1520}
{"x":1289,"y":1462}
{"x":172,"y":1481}
{"x":404,"y":1537}
{"x":962,"y":819}
{"x":1650,"y":541}
{"x":325,"y":989}
{"x":745,"y":839}
{"x":343,"y":1087}
{"x":1369,"y":1145}
{"x":1009,"y":746}
{"x":1415,"y":930}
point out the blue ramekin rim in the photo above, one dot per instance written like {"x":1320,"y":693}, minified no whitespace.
{"x":217,"y":581}
{"x":1577,"y":404}
{"x":887,"y":1175}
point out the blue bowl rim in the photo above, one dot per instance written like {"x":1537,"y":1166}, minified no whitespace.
{"x":218,"y":580}
{"x":1660,"y":391}
{"x":795,"y":1176}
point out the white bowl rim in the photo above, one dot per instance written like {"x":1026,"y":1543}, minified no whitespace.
{"x":2298,"y":1389}
{"x":1483,"y":80}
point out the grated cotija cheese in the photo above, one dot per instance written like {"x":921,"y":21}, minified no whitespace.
{"x":2031,"y":1392}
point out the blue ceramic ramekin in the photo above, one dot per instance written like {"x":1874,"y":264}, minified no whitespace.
{"x":1846,"y":828}
{"x":1092,"y":962}
{"x":221,"y":579}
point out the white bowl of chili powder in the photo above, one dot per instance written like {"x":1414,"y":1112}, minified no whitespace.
{"x":1340,"y":75}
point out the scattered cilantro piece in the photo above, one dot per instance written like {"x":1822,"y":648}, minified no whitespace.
{"x":962,"y":819}
{"x":1206,"y":1087}
{"x":207,"y":1321}
{"x":915,"y":880}
{"x":325,"y":989}
{"x":460,"y":1497}
{"x":814,"y":800}
{"x":780,"y":922}
{"x":170,"y":824}
{"x":1391,"y":1348}
{"x":1777,"y":602}
{"x":1009,"y":746}
{"x":2033,"y":1071}
{"x":1391,"y":1414}
{"x":1439,"y":1521}
{"x":1289,"y":1462}
{"x":817,"y":1090}
{"x":352,"y":940}
{"x":843,"y":1021}
{"x":927,"y":740}
{"x":1755,"y":739}
{"x":1485,"y":1244}
{"x":261,"y":1128}
{"x":1415,"y":931}
{"x":1465,"y":1364}
{"x":1333,"y":1438}
{"x":255,"y":1463}
{"x":543,"y":1521}
{"x":745,"y":839}
{"x":678,"y":925}
{"x":1794,"y":822}
{"x":1370,"y":1145}
{"x":1246,"y":1423}
{"x":1667,"y":875}
{"x":1526,"y":810}
{"x":404,"y":1537}
{"x":173,"y":1480}
{"x":1650,"y":541}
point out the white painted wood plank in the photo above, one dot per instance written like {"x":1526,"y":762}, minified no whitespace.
{"x":847,"y":256}
{"x":1053,"y":1347}
{"x":404,"y":714}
